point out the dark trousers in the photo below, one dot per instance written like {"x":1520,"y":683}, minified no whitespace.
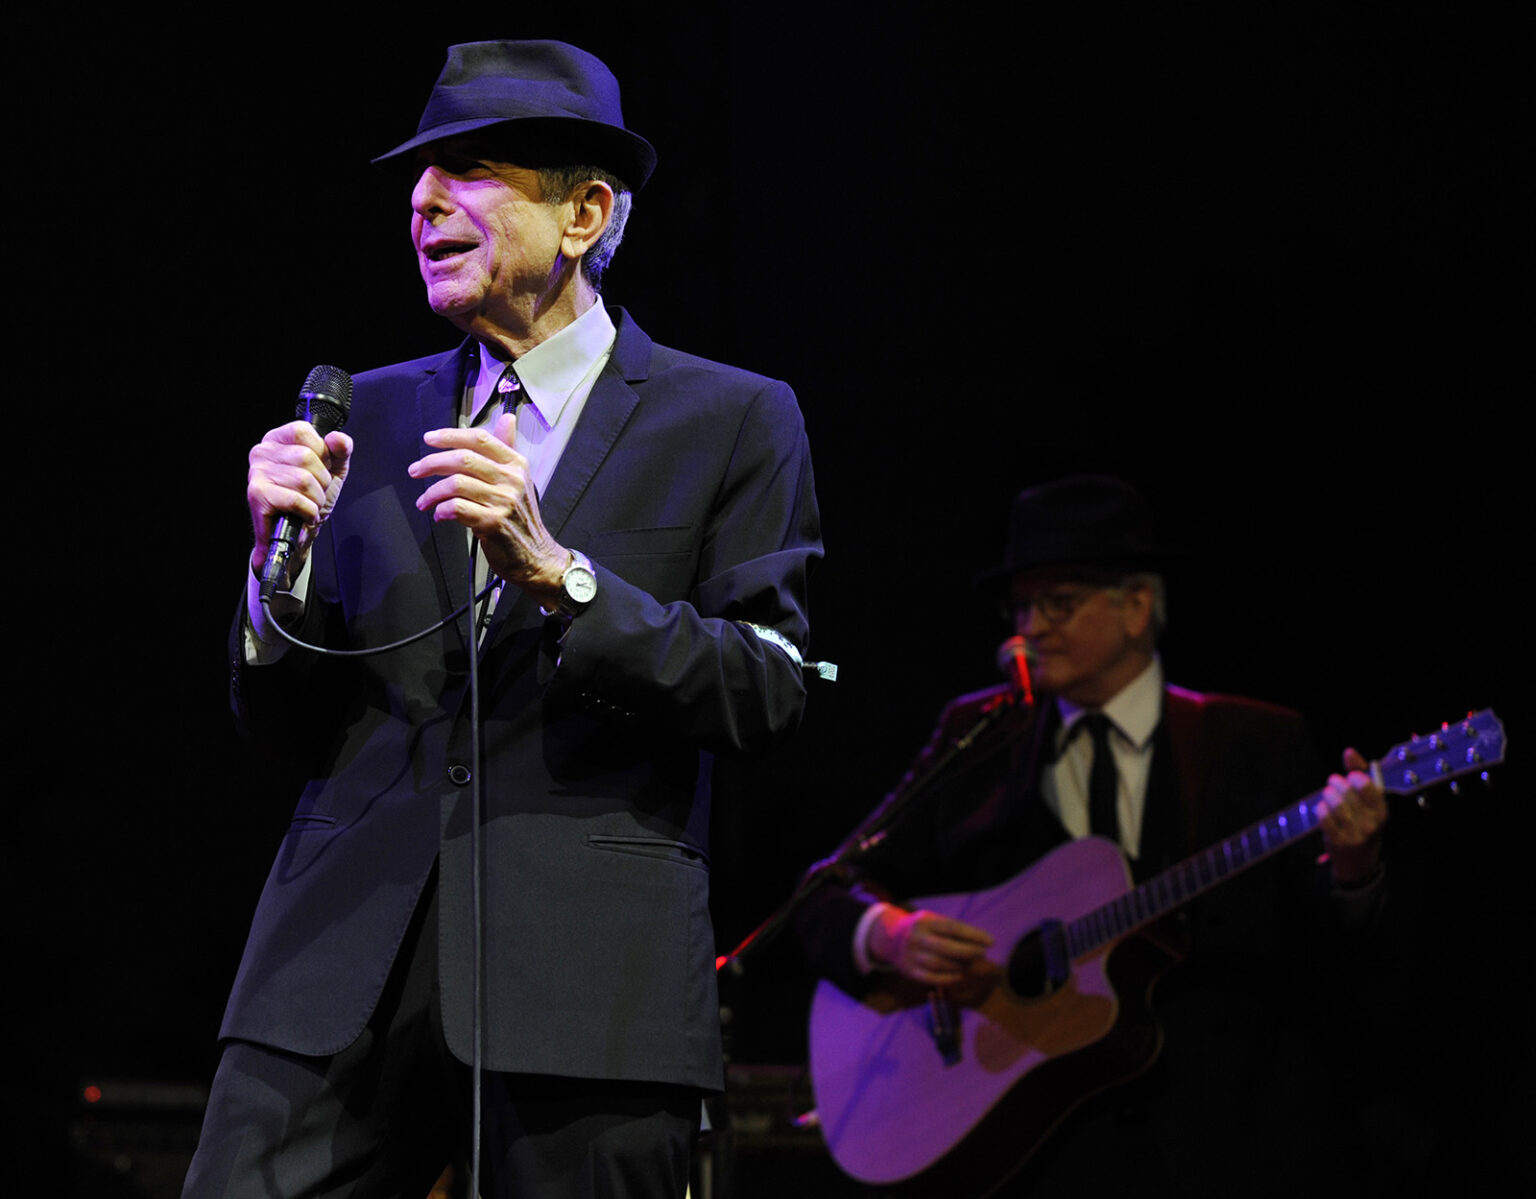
{"x":385,"y":1115}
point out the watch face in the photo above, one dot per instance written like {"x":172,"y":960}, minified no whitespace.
{"x":580,"y":584}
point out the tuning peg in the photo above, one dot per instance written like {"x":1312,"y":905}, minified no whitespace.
{"x":1455,"y":786}
{"x":1422,"y":800}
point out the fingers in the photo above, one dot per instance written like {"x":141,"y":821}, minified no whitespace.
{"x":296,"y":432}
{"x":293,"y":472}
{"x":1352,"y":812}
{"x":339,"y":451}
{"x":459,"y":448}
{"x":483,"y":483}
{"x":478,"y":502}
{"x":297,"y":446}
{"x":1340,"y":808}
{"x":928,"y":948}
{"x":481,"y":475}
{"x":1335,"y":813}
{"x":290,"y":473}
{"x":480,"y":478}
{"x":976,"y":941}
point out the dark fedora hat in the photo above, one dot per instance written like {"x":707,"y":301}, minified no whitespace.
{"x":559,"y":106}
{"x":1095,"y":522}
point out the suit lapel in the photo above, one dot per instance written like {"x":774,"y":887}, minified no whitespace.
{"x":1171,"y":814}
{"x":608,"y":410}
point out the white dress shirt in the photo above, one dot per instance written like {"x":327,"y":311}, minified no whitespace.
{"x":1133,"y":716}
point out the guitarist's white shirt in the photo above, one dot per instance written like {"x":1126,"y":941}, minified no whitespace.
{"x":1133,"y":714}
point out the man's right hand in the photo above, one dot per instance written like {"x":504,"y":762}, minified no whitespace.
{"x":294,"y":473}
{"x":934,"y":950}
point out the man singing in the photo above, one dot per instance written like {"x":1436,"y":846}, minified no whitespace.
{"x":639,"y":523}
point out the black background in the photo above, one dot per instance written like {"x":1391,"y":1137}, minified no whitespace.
{"x":1272,"y":263}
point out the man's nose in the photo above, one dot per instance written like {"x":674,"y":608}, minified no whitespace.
{"x":432,"y":195}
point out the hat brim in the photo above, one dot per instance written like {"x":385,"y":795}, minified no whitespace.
{"x":1116,"y":563}
{"x":536,"y":142}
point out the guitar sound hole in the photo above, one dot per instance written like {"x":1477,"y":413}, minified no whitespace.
{"x":1038,"y":965}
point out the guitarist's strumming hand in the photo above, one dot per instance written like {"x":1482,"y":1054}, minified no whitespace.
{"x":925,"y":947}
{"x":1353,"y":810}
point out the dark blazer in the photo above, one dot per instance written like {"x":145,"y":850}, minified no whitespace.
{"x":689,"y":486}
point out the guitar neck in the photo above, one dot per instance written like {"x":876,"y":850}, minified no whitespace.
{"x":1194,"y":876}
{"x":1457,"y":750}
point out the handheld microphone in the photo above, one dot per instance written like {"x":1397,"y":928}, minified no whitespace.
{"x":324,"y":401}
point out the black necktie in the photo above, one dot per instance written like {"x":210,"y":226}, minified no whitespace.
{"x":509,"y":390}
{"x":1103,"y":781}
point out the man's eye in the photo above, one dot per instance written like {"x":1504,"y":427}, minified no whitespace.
{"x":455,"y":165}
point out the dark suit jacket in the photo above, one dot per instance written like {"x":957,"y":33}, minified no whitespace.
{"x":689,"y":486}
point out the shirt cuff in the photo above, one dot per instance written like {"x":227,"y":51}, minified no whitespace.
{"x":263,"y":643}
{"x":861,"y":959}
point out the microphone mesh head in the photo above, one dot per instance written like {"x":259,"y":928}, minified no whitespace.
{"x":325,"y":398}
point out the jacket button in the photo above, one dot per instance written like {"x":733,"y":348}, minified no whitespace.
{"x":458,"y":774}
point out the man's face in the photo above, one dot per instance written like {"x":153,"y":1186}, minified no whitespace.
{"x":487,"y":245}
{"x":1086,"y":640}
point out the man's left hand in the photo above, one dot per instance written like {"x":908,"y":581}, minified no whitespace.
{"x":1353,"y":811}
{"x":483,"y":484}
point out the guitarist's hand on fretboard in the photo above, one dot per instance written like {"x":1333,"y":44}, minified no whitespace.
{"x":927,"y":948}
{"x":1353,"y":811}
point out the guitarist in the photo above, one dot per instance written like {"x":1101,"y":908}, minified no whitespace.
{"x":1118,"y":752}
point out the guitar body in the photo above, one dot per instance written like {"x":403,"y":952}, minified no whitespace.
{"x":891,"y":1108}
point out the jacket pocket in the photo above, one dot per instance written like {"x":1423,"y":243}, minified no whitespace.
{"x":624,"y":543}
{"x":652,"y":847}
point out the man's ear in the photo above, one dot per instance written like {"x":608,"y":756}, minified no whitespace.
{"x":591,"y":206}
{"x":1137,"y":608}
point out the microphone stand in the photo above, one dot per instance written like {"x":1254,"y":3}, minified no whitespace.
{"x":931,"y":769}
{"x":914,"y":788}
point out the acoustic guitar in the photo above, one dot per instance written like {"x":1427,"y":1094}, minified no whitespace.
{"x":928,"y":1091}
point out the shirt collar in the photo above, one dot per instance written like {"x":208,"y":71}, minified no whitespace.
{"x":1135,"y":709}
{"x":552,"y":370}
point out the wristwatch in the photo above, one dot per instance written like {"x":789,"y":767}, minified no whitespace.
{"x":578,"y":586}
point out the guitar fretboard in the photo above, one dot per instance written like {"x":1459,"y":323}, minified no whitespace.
{"x":1179,"y":884}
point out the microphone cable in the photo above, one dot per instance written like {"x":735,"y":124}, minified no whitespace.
{"x":490,"y":586}
{"x":338,"y":381}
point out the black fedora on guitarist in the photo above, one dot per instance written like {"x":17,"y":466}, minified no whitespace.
{"x":1027,"y":820}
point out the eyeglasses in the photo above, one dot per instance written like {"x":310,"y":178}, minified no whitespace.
{"x":1056,"y":605}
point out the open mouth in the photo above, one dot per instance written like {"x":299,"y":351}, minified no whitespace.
{"x":447,"y":249}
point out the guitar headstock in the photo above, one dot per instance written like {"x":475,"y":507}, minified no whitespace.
{"x":1466,"y":747}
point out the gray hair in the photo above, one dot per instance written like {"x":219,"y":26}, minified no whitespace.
{"x":558,"y":183}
